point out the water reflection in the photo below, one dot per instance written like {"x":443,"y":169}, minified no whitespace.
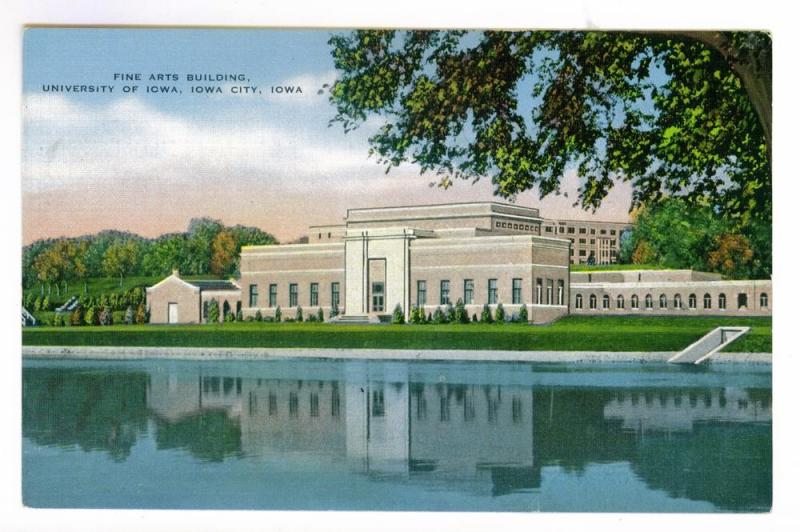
{"x":471,"y":428}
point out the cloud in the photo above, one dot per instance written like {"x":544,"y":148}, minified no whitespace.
{"x":72,"y":144}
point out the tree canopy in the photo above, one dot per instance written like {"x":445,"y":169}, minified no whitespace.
{"x":676,"y":114}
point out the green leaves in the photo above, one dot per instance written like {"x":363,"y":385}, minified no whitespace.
{"x":669,"y":113}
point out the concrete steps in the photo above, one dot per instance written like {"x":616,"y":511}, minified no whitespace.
{"x":354,"y":319}
{"x":711,"y":343}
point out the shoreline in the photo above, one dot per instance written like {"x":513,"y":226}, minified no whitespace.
{"x":259,"y":353}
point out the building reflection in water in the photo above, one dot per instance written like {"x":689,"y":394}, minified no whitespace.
{"x":382,"y":420}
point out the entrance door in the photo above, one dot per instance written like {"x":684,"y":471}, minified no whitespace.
{"x":172,"y":313}
{"x":377,"y":297}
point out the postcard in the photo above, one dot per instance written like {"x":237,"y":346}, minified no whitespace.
{"x":397,"y":270}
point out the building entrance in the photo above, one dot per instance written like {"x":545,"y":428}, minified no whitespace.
{"x":377,"y":297}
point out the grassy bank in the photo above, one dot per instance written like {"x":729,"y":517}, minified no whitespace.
{"x":573,"y":333}
{"x":614,"y":267}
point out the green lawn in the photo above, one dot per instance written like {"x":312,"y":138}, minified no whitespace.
{"x":614,"y":267}
{"x":574,"y":333}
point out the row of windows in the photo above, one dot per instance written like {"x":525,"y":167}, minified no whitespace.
{"x":313,"y":295}
{"x":492,"y":292}
{"x":581,"y":230}
{"x":677,"y":302}
{"x":520,"y":227}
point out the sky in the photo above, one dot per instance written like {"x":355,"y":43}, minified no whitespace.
{"x":150,"y":162}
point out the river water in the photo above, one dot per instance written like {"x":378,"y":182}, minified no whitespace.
{"x":305,"y":434}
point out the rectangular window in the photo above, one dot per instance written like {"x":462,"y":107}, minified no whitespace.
{"x":444,"y":292}
{"x":273,"y":404}
{"x":591,"y":231}
{"x":335,"y":295}
{"x":314,"y":299}
{"x":560,"y":292}
{"x":314,"y":410}
{"x":602,"y":231}
{"x":549,"y":291}
{"x":582,"y":230}
{"x":336,"y":404}
{"x":293,"y":403}
{"x":492,"y":291}
{"x":516,"y":291}
{"x":591,"y":242}
{"x":293,"y":295}
{"x":582,"y":253}
{"x":378,"y":407}
{"x":548,"y":229}
{"x":560,"y":229}
{"x":582,"y":241}
{"x":539,"y":288}
{"x":570,"y":230}
{"x":273,"y":295}
{"x":253,"y":295}
{"x":422,"y":293}
{"x":613,"y":231}
{"x":469,"y":291}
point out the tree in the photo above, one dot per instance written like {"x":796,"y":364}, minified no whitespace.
{"x":486,"y":314}
{"x":120,"y":258}
{"x":320,"y":315}
{"x":213,"y":311}
{"x":499,"y":313}
{"x":684,"y":113}
{"x":731,"y":256}
{"x":398,"y":318}
{"x":523,"y":313}
{"x":461,"y":315}
{"x":223,"y":253}
{"x":278,"y":315}
{"x":298,"y":315}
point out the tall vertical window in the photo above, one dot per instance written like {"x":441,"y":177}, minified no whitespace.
{"x":692,"y":301}
{"x":273,"y":295}
{"x":662,"y":301}
{"x":444,"y":292}
{"x":422,"y":293}
{"x":314,"y":406}
{"x":549,"y":292}
{"x":722,"y":302}
{"x":253,"y":295}
{"x":634,"y":301}
{"x":516,"y":291}
{"x":335,"y":295}
{"x":606,"y":302}
{"x":620,"y":302}
{"x":707,"y":301}
{"x":313,"y":300}
{"x":648,"y":301}
{"x":538,"y":298}
{"x":592,"y":301}
{"x":764,"y":300}
{"x":293,"y":295}
{"x":293,"y":403}
{"x":578,"y":301}
{"x":492,"y":291}
{"x":469,"y":291}
{"x":676,"y":301}
{"x":560,"y":292}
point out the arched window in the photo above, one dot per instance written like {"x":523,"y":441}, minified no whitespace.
{"x":722,"y":302}
{"x":579,"y":301}
{"x":662,"y":301}
{"x":635,"y":301}
{"x":676,"y":301}
{"x":592,"y":301}
{"x":741,"y":301}
{"x":648,"y":301}
{"x":620,"y":301}
{"x":707,"y":301}
{"x":764,"y":300}
{"x":692,"y":301}
{"x":606,"y":302}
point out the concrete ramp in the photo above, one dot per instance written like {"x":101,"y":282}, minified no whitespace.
{"x":708,"y":345}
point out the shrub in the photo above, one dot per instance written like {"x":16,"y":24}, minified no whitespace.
{"x":91,"y":317}
{"x":398,"y":318}
{"x":298,"y":316}
{"x":141,"y":314}
{"x":106,"y":316}
{"x":450,"y":313}
{"x":239,"y":315}
{"x":229,"y":317}
{"x":523,"y":313}
{"x":414,"y":316}
{"x":259,"y":316}
{"x":439,"y":316}
{"x":129,"y":315}
{"x":213,"y":311}
{"x":320,"y":315}
{"x":461,"y":312}
{"x":37,"y":304}
{"x":429,"y":319}
{"x":57,"y":321}
{"x":278,"y":314}
{"x":499,"y":313}
{"x":28,"y":300}
{"x":486,"y":314}
{"x":312,"y":318}
{"x":46,"y":304}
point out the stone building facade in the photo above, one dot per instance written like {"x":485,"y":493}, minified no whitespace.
{"x":175,"y":300}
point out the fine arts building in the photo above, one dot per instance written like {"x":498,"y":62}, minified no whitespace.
{"x":430,"y":256}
